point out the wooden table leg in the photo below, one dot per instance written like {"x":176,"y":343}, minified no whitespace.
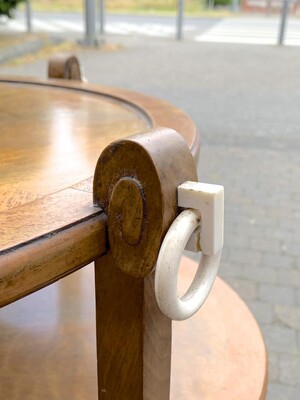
{"x":134,"y":338}
{"x":135,"y":182}
{"x":64,"y":66}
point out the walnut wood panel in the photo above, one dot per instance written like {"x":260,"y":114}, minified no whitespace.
{"x":214,"y":355}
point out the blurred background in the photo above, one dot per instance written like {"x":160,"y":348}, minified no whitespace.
{"x":234,"y":68}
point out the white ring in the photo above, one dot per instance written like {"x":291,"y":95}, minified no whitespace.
{"x":167,"y":266}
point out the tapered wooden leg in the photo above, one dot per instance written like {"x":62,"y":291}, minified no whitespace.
{"x":133,"y":336}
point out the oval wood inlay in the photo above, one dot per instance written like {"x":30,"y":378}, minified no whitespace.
{"x":127,"y":202}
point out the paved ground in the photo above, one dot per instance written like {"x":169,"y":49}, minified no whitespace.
{"x":245,"y":101}
{"x":74,"y":23}
{"x":247,"y":30}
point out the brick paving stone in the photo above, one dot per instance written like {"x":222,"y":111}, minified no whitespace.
{"x":298,"y":297}
{"x":276,"y":260}
{"x":289,"y":316}
{"x":277,"y":391}
{"x":280,"y":339}
{"x":294,"y":248}
{"x":273,"y":364}
{"x":247,"y":290}
{"x":230,"y":269}
{"x":277,"y":294}
{"x":284,"y":234}
{"x":263,"y":312}
{"x":260,"y":273}
{"x":244,"y":256}
{"x":289,"y":367}
{"x":267,"y":244}
{"x":235,"y":241}
{"x":289,"y":277}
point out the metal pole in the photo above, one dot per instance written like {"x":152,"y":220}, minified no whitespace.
{"x":90,"y":23}
{"x":28,"y":16}
{"x":235,"y":5}
{"x":284,"y":13}
{"x":102,"y":16}
{"x":269,"y":8}
{"x":180,"y":8}
{"x":211,"y":4}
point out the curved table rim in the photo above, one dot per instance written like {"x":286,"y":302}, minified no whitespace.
{"x":39,"y":252}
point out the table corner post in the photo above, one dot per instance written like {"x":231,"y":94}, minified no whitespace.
{"x":136,"y":183}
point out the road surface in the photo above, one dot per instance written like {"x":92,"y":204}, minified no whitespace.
{"x":242,"y":30}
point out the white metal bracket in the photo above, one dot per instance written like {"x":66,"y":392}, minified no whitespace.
{"x":208,"y":199}
{"x":198,"y":228}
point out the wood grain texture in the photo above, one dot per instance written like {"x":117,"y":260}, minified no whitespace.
{"x":64,"y":66}
{"x":51,"y":142}
{"x":49,"y":146}
{"x":43,"y":240}
{"x":157,"y":346}
{"x":157,"y":112}
{"x":46,"y":259}
{"x":135,"y":182}
{"x":54,"y":138}
{"x":51,"y":334}
{"x":147,"y":167}
{"x":127,"y":202}
{"x":14,"y":197}
{"x":134,"y":338}
{"x":220,"y":352}
{"x":44,"y":216}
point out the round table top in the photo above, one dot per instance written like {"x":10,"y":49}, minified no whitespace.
{"x":52,"y":134}
{"x":51,"y":139}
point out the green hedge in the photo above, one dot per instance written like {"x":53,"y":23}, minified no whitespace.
{"x":222,"y":2}
{"x":7,"y":6}
{"x":219,"y":2}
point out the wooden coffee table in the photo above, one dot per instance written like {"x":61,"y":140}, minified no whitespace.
{"x":52,"y":133}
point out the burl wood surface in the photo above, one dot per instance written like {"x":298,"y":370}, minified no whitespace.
{"x":52,"y":134}
{"x":48,"y":345}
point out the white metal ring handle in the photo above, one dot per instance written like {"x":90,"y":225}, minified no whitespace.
{"x":203,"y":202}
{"x":167,"y":267}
